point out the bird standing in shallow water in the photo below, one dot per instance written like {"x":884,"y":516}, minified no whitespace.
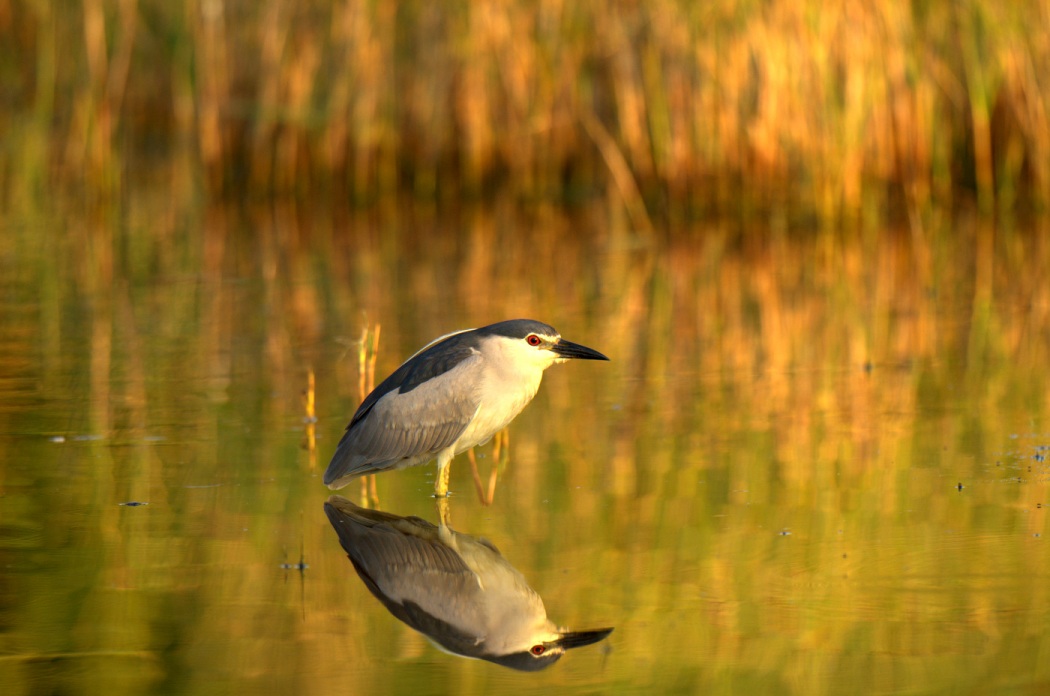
{"x":455,"y":393}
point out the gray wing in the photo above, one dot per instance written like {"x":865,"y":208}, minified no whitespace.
{"x":415,"y":413}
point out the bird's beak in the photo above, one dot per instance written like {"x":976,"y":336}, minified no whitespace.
{"x":578,"y":639}
{"x":568,"y":349}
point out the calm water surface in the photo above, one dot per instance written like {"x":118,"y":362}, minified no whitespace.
{"x":814,"y":465}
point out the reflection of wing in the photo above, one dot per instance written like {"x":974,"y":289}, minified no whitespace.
{"x":414,"y":414}
{"x":388,"y":550}
{"x":404,"y":564}
{"x":454,"y":588}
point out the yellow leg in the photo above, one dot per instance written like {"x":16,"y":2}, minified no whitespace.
{"x":441,"y":483}
{"x":500,"y":442}
{"x":444,"y":514}
{"x":497,"y":444}
{"x":477,"y":477}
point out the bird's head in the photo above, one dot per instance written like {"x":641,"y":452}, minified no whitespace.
{"x":534,"y":344}
{"x":545,"y":652}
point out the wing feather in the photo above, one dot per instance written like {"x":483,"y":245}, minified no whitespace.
{"x":411,"y":423}
{"x":436,"y":359}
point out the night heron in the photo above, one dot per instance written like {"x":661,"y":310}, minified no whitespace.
{"x":456,"y":589}
{"x":456,"y":392}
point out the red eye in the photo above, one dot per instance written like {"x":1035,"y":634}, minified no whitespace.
{"x":538,"y":650}
{"x":534,"y":340}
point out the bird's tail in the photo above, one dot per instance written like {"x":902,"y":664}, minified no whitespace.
{"x":346,"y":467}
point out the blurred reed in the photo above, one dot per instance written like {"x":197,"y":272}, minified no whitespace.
{"x":835,"y":109}
{"x":310,"y":418}
{"x":367,"y":352}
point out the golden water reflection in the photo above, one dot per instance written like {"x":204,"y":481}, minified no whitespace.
{"x":816,"y":464}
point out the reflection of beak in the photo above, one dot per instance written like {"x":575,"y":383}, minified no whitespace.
{"x":578,"y":639}
{"x":568,"y":349}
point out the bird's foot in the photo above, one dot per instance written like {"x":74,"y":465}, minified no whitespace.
{"x":441,"y":483}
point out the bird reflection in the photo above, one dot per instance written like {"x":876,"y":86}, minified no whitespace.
{"x":456,"y":589}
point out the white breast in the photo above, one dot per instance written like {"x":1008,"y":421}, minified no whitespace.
{"x":511,"y":377}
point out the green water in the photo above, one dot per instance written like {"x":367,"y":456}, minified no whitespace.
{"x":816,"y":464}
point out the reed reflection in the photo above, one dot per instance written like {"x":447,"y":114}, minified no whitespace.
{"x":456,"y":589}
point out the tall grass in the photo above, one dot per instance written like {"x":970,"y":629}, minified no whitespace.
{"x":676,"y":107}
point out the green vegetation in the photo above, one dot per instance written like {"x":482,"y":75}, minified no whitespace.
{"x":676,"y":108}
